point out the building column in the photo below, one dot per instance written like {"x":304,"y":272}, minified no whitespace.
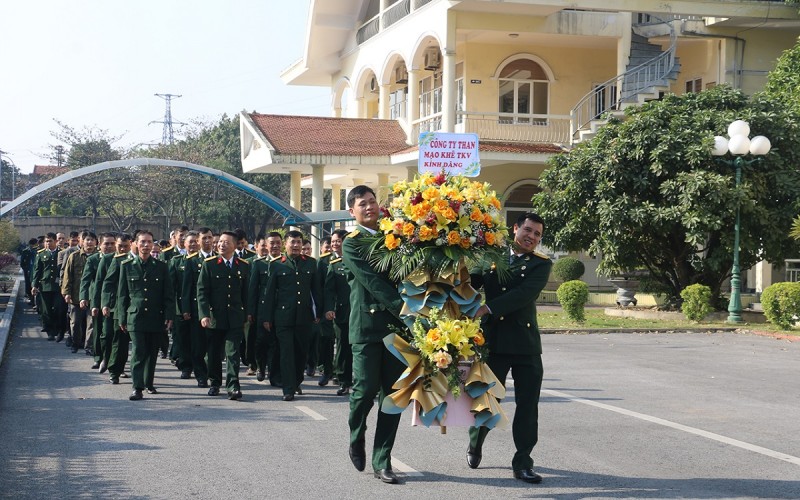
{"x":294,"y":189}
{"x":384,"y":101}
{"x":383,"y":188}
{"x":412,"y":105}
{"x":411,"y":171}
{"x":317,"y":200}
{"x":336,"y":193}
{"x":763,"y":275}
{"x":384,"y":5}
{"x":449,"y":75}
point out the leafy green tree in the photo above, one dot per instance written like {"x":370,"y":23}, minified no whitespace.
{"x":646,"y":192}
{"x":9,"y":237}
{"x":783,"y":83}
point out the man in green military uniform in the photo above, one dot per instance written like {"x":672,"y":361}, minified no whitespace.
{"x":82,"y":333}
{"x":376,"y":304}
{"x":107,"y":286}
{"x":259,"y":275}
{"x":90,"y":300}
{"x":337,"y":310}
{"x":44,"y":282}
{"x":181,"y":329}
{"x":512,"y":335}
{"x":287,"y":308}
{"x":325,"y":334}
{"x":146,"y":305}
{"x":27,"y":256}
{"x":222,"y":306}
{"x":197,"y":334}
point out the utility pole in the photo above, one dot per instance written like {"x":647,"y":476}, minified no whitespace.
{"x":60,"y":155}
{"x":167,"y":136}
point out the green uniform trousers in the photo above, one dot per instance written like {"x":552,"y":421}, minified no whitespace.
{"x":375,"y":370}
{"x":182,"y":344}
{"x":527,"y":372}
{"x":47,"y":310}
{"x":293,"y":342}
{"x":144,"y":357}
{"x":120,"y":341}
{"x":225,"y":342}
{"x":343,"y":361}
{"x":199,"y":346}
{"x":325,"y":343}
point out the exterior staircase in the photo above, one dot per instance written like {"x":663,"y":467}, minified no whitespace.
{"x":648,"y":76}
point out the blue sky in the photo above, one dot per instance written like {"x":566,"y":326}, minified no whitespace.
{"x":99,"y":62}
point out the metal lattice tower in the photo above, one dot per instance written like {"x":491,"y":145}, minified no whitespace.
{"x":167,"y":136}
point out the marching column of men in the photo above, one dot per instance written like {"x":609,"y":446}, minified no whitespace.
{"x":223,"y":304}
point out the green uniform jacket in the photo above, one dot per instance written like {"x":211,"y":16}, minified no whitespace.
{"x":168,"y":253}
{"x":222,"y":292}
{"x":337,"y":291}
{"x":87,"y":287}
{"x":259,"y":277}
{"x":146,"y":295}
{"x":177,"y":268}
{"x":188,"y":302}
{"x":103,"y":267}
{"x":27,"y":256}
{"x":108,"y":295}
{"x":511,"y":328}
{"x":45,"y":271}
{"x":374,"y":298}
{"x":292,"y":285}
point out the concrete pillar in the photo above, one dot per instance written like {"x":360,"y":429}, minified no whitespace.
{"x":294,"y":189}
{"x":317,"y":199}
{"x":449,"y":75}
{"x":412,"y":112}
{"x":336,"y":193}
{"x":763,"y":277}
{"x":383,"y":102}
{"x":383,"y":188}
{"x":411,"y":171}
{"x":384,"y":6}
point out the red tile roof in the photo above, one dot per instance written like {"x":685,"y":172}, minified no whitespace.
{"x":49,"y":170}
{"x":317,"y":135}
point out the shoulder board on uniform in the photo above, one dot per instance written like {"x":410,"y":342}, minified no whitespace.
{"x":334,"y":261}
{"x":42,"y":250}
{"x":117,"y":256}
{"x":242,"y":261}
{"x":541,"y":255}
{"x":168,"y":248}
{"x":352,"y":234}
{"x":324,"y":255}
{"x":129,"y":259}
{"x":273,"y":259}
{"x":190,"y":255}
{"x":209,"y":258}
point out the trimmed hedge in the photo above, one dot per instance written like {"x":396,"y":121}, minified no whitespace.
{"x":781,"y":303}
{"x":696,"y":302}
{"x":568,"y":269}
{"x":573,"y":295}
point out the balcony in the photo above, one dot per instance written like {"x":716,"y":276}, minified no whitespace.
{"x":502,"y":127}
{"x":394,"y":13}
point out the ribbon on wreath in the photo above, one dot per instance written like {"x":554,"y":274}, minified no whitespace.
{"x":431,"y":391}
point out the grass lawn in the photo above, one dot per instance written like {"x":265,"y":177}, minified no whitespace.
{"x":595,"y":318}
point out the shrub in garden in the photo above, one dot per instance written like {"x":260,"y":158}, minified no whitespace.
{"x":572,"y":295}
{"x":696,"y":302}
{"x":568,"y":269}
{"x":781,"y":303}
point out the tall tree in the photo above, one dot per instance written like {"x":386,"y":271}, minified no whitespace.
{"x":646,"y":192}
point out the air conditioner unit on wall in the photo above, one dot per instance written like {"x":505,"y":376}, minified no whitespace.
{"x":433,"y":60}
{"x":400,"y":75}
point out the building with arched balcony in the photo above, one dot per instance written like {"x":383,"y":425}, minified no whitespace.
{"x":531,"y":78}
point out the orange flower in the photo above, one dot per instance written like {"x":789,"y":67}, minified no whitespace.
{"x":453,"y":238}
{"x":465,"y":243}
{"x":449,"y":214}
{"x":434,"y":335}
{"x":426,"y":233}
{"x":495,"y":203}
{"x":408,"y":229}
{"x":489,"y":236}
{"x":430,"y":194}
{"x":476,"y":215}
{"x":487,"y":220}
{"x":392,"y":242}
{"x":478,"y":339}
{"x":420,"y":210}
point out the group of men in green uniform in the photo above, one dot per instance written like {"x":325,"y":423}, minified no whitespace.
{"x":281,"y":312}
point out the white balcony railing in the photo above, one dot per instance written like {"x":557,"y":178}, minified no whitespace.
{"x":503,"y":127}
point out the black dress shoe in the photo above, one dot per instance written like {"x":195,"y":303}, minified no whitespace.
{"x":59,"y":337}
{"x":50,"y":339}
{"x":186,"y":375}
{"x":473,"y":457}
{"x":136,"y":395}
{"x":324,"y":380}
{"x":310,"y":372}
{"x":69,"y":342}
{"x":124,"y":375}
{"x":528,"y":476}
{"x":234,"y":395}
{"x":95,"y":366}
{"x":74,"y":349}
{"x":288,"y":397}
{"x":387,"y":476}
{"x":299,"y":391}
{"x":343,"y":391}
{"x":152,"y":390}
{"x":260,"y":376}
{"x":214,"y":391}
{"x":358,"y":455}
{"x":202,"y":383}
{"x":114,"y":380}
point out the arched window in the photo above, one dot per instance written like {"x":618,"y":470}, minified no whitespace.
{"x":524,"y":91}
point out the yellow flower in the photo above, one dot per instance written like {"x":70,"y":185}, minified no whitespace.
{"x":453,"y":238}
{"x":449,"y":214}
{"x":430,"y":194}
{"x":385,"y":224}
{"x":442,"y":359}
{"x":408,"y":229}
{"x":391,"y":242}
{"x":426,"y":233}
{"x":478,"y":339}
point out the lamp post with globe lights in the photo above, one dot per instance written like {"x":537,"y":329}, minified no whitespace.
{"x":738,"y":144}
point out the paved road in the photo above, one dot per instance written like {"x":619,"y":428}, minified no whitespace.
{"x":622,"y":416}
